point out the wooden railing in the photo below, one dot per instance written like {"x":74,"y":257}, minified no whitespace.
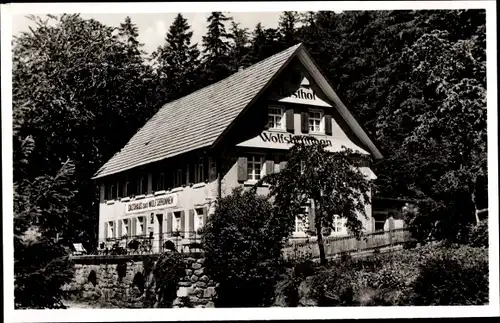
{"x":350,"y":244}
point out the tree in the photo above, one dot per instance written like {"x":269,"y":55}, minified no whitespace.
{"x":177,"y":60}
{"x":332,"y":181}
{"x":240,"y":46}
{"x":242,"y":244}
{"x":216,"y":49}
{"x":71,"y":76}
{"x":41,"y":263}
{"x":128,"y":33}
{"x":288,"y":27}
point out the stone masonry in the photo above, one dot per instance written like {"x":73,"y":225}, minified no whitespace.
{"x":121,"y":282}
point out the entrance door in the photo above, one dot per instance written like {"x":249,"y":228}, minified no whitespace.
{"x":159,"y":217}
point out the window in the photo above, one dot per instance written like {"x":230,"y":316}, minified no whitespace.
{"x":199,"y":175}
{"x":302,"y":222}
{"x":275,"y":118}
{"x":176,"y":223}
{"x":125,"y":227}
{"x":315,"y":120}
{"x":142,"y":186}
{"x":337,"y":224}
{"x":198,"y":219}
{"x":178,"y":178}
{"x":255,"y":167}
{"x":111,"y":229}
{"x":125,"y":189}
{"x":140,"y":226}
{"x":160,"y":182}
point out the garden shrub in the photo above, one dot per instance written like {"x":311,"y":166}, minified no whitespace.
{"x":242,"y":243}
{"x":168,"y":271}
{"x":334,"y":286}
{"x":457,"y":276}
{"x":478,"y":236}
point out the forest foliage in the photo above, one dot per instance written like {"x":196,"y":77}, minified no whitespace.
{"x":416,"y":80}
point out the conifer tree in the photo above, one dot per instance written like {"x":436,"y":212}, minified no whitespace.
{"x":177,"y":60}
{"x":241,"y":44}
{"x":216,"y":49}
{"x":287,"y":27}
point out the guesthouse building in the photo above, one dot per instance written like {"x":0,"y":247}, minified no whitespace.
{"x":162,"y":184}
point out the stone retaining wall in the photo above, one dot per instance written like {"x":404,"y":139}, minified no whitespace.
{"x":121,"y":282}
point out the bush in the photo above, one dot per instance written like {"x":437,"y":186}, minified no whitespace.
{"x":41,"y":268}
{"x":334,"y":286}
{"x":479,"y":235}
{"x":242,"y":242}
{"x":457,"y":276}
{"x":168,"y":271}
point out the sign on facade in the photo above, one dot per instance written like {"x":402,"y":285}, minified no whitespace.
{"x":153,"y":203}
{"x":291,"y":138}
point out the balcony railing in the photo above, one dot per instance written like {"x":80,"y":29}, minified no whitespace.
{"x":181,"y":241}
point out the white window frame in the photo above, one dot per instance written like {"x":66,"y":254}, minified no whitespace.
{"x":140,"y":226}
{"x":199,"y":170}
{"x":301,"y":225}
{"x":272,"y":117}
{"x":111,"y":229}
{"x":312,"y":123}
{"x":337,"y":224}
{"x":198,"y":219}
{"x":176,"y":221}
{"x":252,"y":161}
{"x":125,"y":226}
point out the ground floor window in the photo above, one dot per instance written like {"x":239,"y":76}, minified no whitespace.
{"x":198,"y":219}
{"x":111,"y":229}
{"x":302,"y":221}
{"x":176,"y":223}
{"x":140,"y":226}
{"x":337,"y":224}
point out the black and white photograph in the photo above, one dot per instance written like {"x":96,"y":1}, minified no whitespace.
{"x":263,"y":160}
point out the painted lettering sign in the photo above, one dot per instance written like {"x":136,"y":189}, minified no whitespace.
{"x":291,"y":139}
{"x":301,"y":93}
{"x":151,"y":204}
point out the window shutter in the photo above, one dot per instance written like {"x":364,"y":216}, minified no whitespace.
{"x":191,"y":223}
{"x":328,"y":124}
{"x":304,"y":122}
{"x":150,"y":183}
{"x":169,"y":222}
{"x":205,"y":215}
{"x":102,"y":193}
{"x":242,"y":169}
{"x":133,"y":226}
{"x":282,"y":165}
{"x":144,"y":225}
{"x":311,"y":218}
{"x":120,"y":229}
{"x":106,"y":230}
{"x":289,"y":120}
{"x":269,"y":167}
{"x":183,"y":219}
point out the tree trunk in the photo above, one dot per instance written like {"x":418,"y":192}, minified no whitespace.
{"x":321,"y":246}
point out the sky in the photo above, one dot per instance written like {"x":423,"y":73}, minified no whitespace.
{"x":153,"y":26}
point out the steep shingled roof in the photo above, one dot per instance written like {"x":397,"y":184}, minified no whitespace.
{"x":198,"y":119}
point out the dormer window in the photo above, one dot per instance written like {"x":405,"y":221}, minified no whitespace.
{"x":275,"y":118}
{"x":316,"y":123}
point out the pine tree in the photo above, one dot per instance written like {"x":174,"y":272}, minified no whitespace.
{"x":128,"y":34}
{"x":216,"y":49}
{"x":241,"y":44}
{"x":287,"y":27}
{"x":177,"y":60}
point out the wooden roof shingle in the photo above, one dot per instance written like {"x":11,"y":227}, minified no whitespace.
{"x":196,"y":120}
